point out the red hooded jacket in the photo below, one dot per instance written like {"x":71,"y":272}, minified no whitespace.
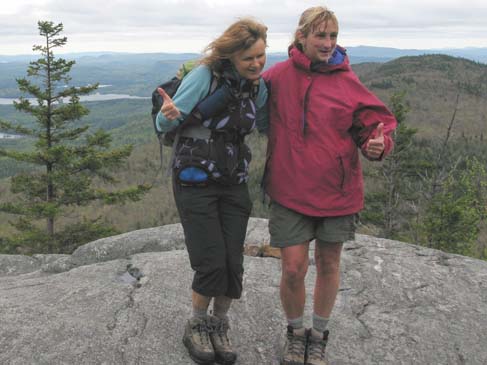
{"x":319,"y":116}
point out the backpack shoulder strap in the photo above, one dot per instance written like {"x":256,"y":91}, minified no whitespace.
{"x":216,"y":80}
{"x":254,"y":91}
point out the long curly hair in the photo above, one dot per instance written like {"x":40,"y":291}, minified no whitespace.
{"x":239,"y":36}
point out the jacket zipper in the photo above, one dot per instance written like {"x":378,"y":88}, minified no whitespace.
{"x":342,"y":168}
{"x":305,"y":108}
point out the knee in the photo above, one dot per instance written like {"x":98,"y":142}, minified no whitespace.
{"x":325,"y":267}
{"x":294,"y":273}
{"x":327,"y":259}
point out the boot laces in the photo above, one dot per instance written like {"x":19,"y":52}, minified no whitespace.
{"x":297,"y":344}
{"x":202,"y":330}
{"x":317,"y":349}
{"x":221,"y":330}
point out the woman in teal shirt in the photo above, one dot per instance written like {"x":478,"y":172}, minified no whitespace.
{"x":218,"y":102}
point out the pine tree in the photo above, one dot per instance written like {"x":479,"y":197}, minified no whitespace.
{"x":453,"y":218}
{"x":69,"y":162}
{"x":392,"y":205}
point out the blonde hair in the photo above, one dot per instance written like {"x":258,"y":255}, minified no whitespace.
{"x":310,"y":20}
{"x":239,"y":36}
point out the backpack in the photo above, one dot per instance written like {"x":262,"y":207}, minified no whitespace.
{"x":171,"y":86}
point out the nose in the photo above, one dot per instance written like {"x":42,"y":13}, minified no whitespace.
{"x":256,"y":63}
{"x":327,"y":42}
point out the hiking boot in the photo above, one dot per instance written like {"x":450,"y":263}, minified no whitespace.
{"x":224,"y":353}
{"x":197,"y":341}
{"x":316,"y":349}
{"x":294,"y":350}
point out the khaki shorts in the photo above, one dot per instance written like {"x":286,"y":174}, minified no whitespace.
{"x":288,"y":227}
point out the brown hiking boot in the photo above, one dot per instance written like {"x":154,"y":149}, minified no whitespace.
{"x":224,"y":353}
{"x":316,"y":349}
{"x":197,"y":341}
{"x":294,"y":350}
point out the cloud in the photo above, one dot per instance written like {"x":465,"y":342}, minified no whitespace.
{"x":190,"y":24}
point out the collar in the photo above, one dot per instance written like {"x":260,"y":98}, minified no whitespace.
{"x":338,"y":61}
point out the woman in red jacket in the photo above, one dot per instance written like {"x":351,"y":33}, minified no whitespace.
{"x":320,"y":115}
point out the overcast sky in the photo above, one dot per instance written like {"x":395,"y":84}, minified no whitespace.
{"x":189,"y":25}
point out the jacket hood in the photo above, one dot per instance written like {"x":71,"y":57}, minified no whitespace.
{"x":338,"y":61}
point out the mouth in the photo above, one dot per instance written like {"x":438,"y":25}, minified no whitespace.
{"x":253,"y":71}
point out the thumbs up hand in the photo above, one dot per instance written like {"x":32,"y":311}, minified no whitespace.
{"x":168,"y":109}
{"x":375,"y":146}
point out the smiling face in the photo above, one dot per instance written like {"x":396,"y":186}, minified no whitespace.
{"x":320,"y":42}
{"x":249,"y":63}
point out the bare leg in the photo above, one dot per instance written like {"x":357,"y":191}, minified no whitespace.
{"x":327,"y":258}
{"x":294,"y":261}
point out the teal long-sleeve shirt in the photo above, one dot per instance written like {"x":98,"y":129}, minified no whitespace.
{"x":193,"y":89}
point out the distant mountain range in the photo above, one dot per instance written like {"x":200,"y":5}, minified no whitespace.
{"x":137,"y":74}
{"x":362,"y":54}
{"x":358,"y":54}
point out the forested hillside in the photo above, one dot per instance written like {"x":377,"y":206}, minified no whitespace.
{"x":447,"y":102}
{"x":432,"y":84}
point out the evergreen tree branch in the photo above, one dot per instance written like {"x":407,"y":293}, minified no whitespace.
{"x":9,"y":127}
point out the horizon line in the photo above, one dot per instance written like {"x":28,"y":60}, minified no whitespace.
{"x":272,"y":52}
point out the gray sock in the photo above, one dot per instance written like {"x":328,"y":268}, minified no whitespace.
{"x":296,"y":323}
{"x":200,"y":313}
{"x":320,"y":323}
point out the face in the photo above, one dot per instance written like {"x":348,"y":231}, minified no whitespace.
{"x":250,"y":62}
{"x":320,"y":44}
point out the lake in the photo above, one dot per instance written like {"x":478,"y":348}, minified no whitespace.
{"x":9,"y":136}
{"x":92,"y":97}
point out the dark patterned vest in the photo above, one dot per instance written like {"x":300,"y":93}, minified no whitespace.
{"x":217,"y":144}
